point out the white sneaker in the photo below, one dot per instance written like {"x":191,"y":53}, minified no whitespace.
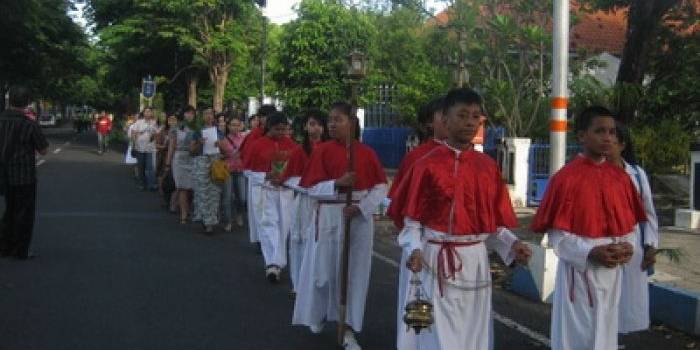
{"x":349,"y":341}
{"x":317,"y":328}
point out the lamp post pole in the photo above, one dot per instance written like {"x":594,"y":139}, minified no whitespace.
{"x":560,"y":74}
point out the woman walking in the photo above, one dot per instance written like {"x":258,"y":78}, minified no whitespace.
{"x":206,"y":192}
{"x":181,"y":160}
{"x":230,"y":144}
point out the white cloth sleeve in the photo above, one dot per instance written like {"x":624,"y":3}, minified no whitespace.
{"x":570,"y":248}
{"x":293,"y":183}
{"x":368,"y":204}
{"x":502,"y":243}
{"x":651,"y":229}
{"x":256,"y":178}
{"x":410,"y":237}
{"x":323,"y":190}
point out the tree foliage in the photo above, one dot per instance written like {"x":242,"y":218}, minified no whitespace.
{"x":44,"y":48}
{"x":314,"y":49}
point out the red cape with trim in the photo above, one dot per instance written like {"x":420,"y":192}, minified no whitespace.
{"x":590,"y":200}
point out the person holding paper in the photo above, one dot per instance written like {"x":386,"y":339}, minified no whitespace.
{"x":206,"y":193}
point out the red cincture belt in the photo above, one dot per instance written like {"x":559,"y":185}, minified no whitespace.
{"x":328,"y":201}
{"x":448,"y":255}
{"x":572,"y":293}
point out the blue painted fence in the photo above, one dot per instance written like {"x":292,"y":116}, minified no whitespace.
{"x":538,"y":174}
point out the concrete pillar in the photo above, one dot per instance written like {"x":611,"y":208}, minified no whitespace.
{"x":690,"y":218}
{"x":517,"y":160}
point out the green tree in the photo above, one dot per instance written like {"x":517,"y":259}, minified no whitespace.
{"x":314,"y":49}
{"x":405,"y":58}
{"x":219,"y":33}
{"x":44,"y":47}
{"x":644,"y":21}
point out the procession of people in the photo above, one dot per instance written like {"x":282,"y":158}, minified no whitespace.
{"x":310,"y":209}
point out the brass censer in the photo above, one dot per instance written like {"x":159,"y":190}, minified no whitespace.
{"x":419,"y":312}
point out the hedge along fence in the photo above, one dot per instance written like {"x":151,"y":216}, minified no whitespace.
{"x":662,"y":148}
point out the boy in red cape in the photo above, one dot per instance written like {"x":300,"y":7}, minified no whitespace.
{"x":266,"y":171}
{"x":455,"y":204}
{"x":253,"y":191}
{"x":431,"y":127}
{"x":589,"y":211}
{"x":326,"y":178}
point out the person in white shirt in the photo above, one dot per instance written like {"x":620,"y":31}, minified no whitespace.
{"x":634,"y":299}
{"x":143,"y":134}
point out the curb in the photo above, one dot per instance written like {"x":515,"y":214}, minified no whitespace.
{"x":675,"y":307}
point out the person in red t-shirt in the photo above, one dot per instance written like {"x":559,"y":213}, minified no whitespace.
{"x":103,"y":127}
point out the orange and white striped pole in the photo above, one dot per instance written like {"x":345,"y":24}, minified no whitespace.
{"x":560,"y":74}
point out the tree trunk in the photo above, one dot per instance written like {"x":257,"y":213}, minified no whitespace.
{"x":644,"y":19}
{"x":192,"y":82}
{"x":219,"y":76}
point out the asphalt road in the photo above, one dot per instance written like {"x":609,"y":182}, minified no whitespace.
{"x":116,"y":271}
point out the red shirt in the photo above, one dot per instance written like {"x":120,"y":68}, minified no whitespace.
{"x":458,"y":194}
{"x":266,"y":150}
{"x":104,"y":125}
{"x":329,"y":161}
{"x":250,"y":139}
{"x":590,"y":200}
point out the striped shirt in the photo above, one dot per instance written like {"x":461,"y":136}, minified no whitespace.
{"x":20,"y":139}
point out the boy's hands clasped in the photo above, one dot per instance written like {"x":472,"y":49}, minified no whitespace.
{"x":611,"y":255}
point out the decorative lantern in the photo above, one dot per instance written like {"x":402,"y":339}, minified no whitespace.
{"x":357,"y":65}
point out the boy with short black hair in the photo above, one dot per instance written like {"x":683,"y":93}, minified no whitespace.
{"x":455,"y":205}
{"x":589,"y":210}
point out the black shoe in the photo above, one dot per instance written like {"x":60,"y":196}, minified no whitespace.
{"x":28,"y":256}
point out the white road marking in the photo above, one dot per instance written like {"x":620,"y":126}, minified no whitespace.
{"x":540,"y":338}
{"x":57,"y":150}
{"x":40,"y":162}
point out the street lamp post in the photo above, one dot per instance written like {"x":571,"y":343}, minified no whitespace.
{"x":357,"y":70}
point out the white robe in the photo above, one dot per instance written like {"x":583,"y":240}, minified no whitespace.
{"x":318,"y":292}
{"x":585,"y":312}
{"x":253,"y":202}
{"x":634,"y":300}
{"x":272,"y":220}
{"x":301,"y":213}
{"x":463,"y":313}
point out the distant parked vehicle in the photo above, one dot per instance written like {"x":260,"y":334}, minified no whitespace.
{"x":47,"y":120}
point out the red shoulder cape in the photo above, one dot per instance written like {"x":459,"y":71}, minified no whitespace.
{"x":590,"y":200}
{"x":265,"y":150}
{"x":329,"y":162}
{"x":467,"y":188}
{"x":250,"y":139}
{"x":408,"y":160}
{"x":297,"y":163}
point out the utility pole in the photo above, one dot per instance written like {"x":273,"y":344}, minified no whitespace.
{"x":560,"y":75}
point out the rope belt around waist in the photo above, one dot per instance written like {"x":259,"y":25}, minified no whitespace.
{"x":448,"y":255}
{"x":327,"y":201}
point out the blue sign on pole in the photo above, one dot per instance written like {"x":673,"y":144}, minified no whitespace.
{"x":148,"y":88}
